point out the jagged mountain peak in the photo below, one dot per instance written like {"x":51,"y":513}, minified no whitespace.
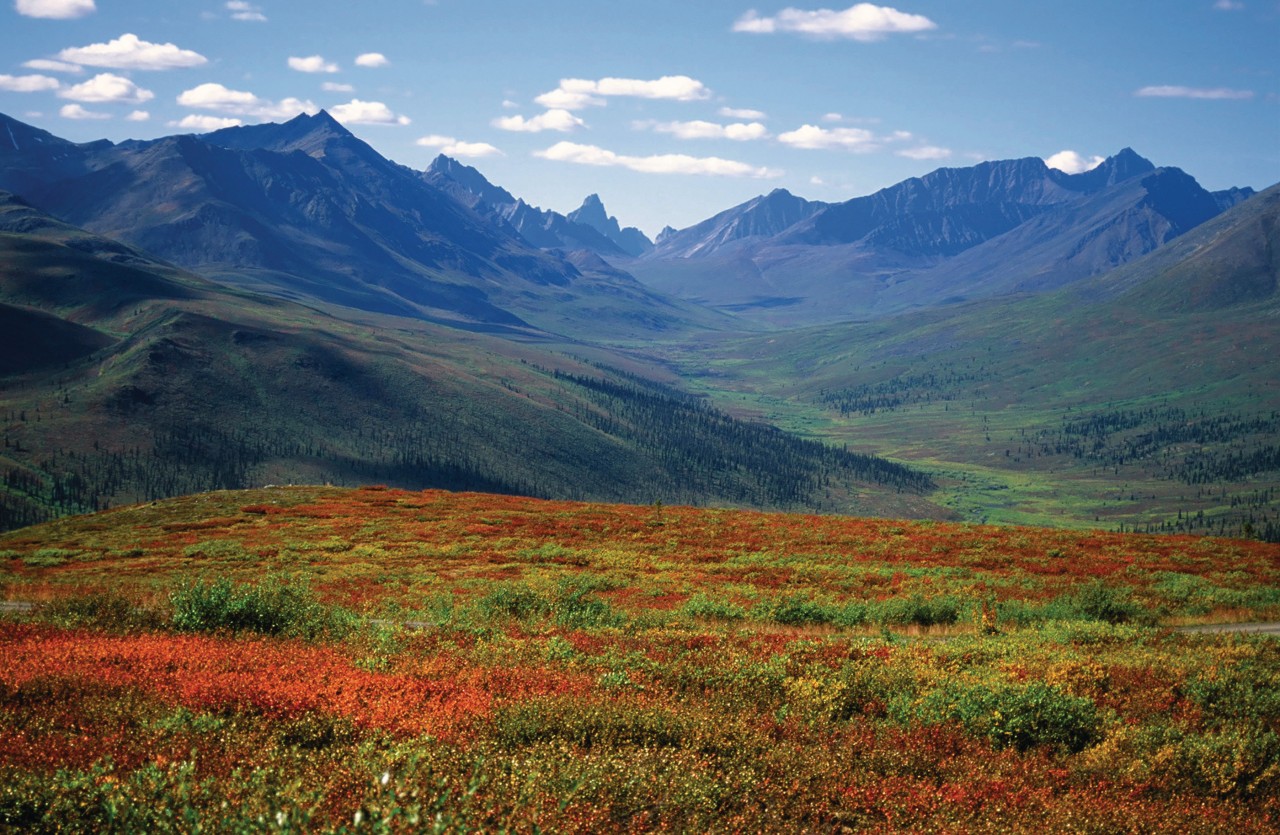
{"x":592,"y":213}
{"x":309,"y":133}
{"x":1124,"y":165}
{"x":451,"y":175}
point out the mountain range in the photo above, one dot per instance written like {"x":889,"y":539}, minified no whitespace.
{"x":305,"y":210}
{"x":955,"y":234}
{"x":280,"y":302}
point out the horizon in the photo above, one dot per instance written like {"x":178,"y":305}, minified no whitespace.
{"x":673,"y":114}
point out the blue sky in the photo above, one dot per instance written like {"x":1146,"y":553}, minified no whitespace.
{"x":673,"y":111}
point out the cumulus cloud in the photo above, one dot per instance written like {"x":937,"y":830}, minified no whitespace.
{"x":129,"y":52}
{"x":57,"y":9}
{"x":1177,"y":92}
{"x":241,"y":10}
{"x":812,"y":137}
{"x":860,"y":22}
{"x":932,"y":152}
{"x":657,"y":164}
{"x":204,"y":124}
{"x":216,"y":97}
{"x":561,"y":121}
{"x":697,"y":129}
{"x":577,"y":93}
{"x":28,"y":83}
{"x":138,"y":116}
{"x":107,"y":87}
{"x":1070,"y":162}
{"x":356,"y":112}
{"x":335,"y":87}
{"x":452,"y":147}
{"x":742,"y":113}
{"x":312,"y":63}
{"x":371,"y":59}
{"x":75,"y":111}
{"x":52,"y":66}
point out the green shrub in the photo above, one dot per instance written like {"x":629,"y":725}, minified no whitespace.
{"x":514,"y":601}
{"x":798,"y":610}
{"x":917,"y":610}
{"x":702,"y":606}
{"x":273,"y":607}
{"x":1018,"y":716}
{"x":1098,"y":601}
{"x":573,"y":608}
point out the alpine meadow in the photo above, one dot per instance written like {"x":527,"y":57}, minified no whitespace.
{"x":902,"y":456}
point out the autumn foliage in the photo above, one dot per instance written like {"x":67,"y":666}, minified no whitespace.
{"x":460,"y":661}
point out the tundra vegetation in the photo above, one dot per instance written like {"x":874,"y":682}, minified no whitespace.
{"x":381,"y":660}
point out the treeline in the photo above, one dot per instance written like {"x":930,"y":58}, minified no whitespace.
{"x":1191,"y":447}
{"x":633,"y":440}
{"x":946,"y":385}
{"x":196,"y":458}
{"x":705,"y":451}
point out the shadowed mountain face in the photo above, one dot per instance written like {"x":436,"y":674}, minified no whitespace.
{"x":303,"y":210}
{"x":954,"y":234}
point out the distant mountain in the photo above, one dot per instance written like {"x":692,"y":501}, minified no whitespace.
{"x":306,"y":210}
{"x":591,"y":213}
{"x":761,"y":218}
{"x":954,"y":234}
{"x":587,"y":228}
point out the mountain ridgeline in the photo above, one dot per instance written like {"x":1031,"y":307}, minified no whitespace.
{"x":958,"y":233}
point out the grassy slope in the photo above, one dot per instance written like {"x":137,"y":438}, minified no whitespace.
{"x":1192,"y":326}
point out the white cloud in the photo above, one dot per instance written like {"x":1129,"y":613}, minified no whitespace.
{"x":925,"y":152}
{"x":371,"y":59}
{"x":128,"y":52}
{"x":356,"y":112}
{"x":75,"y":111}
{"x":657,"y":164}
{"x":1069,"y":162}
{"x":52,"y":66}
{"x":697,"y":129}
{"x":812,"y":137}
{"x":312,"y":63}
{"x":577,"y":93}
{"x":1176,"y":92}
{"x":860,"y":22}
{"x":216,"y":97}
{"x":335,"y":87}
{"x":138,"y":116}
{"x":742,"y":113}
{"x":58,"y":9}
{"x":200,"y":123}
{"x":449,"y":146}
{"x":241,"y":10}
{"x":561,"y":121}
{"x":1228,"y":5}
{"x":28,"y":83}
{"x":108,"y":87}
